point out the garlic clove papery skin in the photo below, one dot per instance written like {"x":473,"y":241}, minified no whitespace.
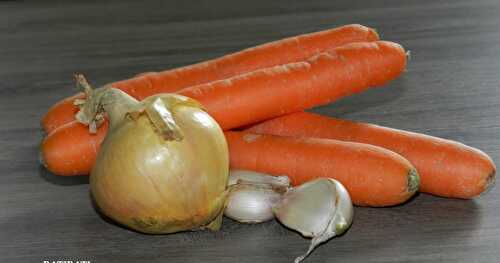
{"x":320,"y":209}
{"x":252,"y":195}
{"x":256,"y":177}
{"x":153,"y":184}
{"x":344,"y":216}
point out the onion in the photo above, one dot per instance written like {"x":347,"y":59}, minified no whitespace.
{"x":163,"y":165}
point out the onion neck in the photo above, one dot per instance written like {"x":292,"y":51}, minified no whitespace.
{"x":107,"y":99}
{"x":117,"y":104}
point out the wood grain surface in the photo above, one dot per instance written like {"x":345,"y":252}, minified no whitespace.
{"x":451,"y":89}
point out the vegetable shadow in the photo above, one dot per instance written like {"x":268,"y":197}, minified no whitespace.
{"x":106,"y":218}
{"x":61,"y":180}
{"x":378,"y":232}
{"x":365,"y":100}
{"x":110,"y":221}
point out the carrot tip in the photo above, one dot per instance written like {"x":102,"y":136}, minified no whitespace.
{"x":413,"y":181}
{"x":490,"y":183}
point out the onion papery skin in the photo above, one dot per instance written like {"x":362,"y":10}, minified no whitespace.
{"x":156,"y":185}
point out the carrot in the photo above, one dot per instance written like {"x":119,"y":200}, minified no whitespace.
{"x":447,"y":168}
{"x":271,"y":92}
{"x":284,"y":51}
{"x":372,"y":175}
{"x":326,"y":77}
{"x":71,"y":149}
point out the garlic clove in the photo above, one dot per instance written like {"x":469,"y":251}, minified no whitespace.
{"x":252,"y":195}
{"x":320,"y":209}
{"x":252,"y":203}
{"x":256,"y":177}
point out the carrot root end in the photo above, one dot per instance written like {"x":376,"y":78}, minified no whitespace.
{"x":490,"y":183}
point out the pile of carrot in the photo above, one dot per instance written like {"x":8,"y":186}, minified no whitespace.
{"x":266,"y":89}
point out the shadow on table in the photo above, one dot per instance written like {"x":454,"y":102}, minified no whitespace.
{"x":109,"y":220}
{"x":62,"y":180}
{"x":424,"y":225}
{"x":370,"y":98}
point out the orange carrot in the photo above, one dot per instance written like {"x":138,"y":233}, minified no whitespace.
{"x":71,"y":149}
{"x":271,"y":92}
{"x":271,"y":54}
{"x":372,"y":175}
{"x":326,"y":77}
{"x":447,"y":168}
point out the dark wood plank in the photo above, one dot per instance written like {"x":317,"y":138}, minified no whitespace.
{"x":451,"y":89}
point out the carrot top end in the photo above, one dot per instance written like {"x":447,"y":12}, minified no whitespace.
{"x":375,"y":32}
{"x":413,"y":181}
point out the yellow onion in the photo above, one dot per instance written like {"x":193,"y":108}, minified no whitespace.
{"x":162,"y":167}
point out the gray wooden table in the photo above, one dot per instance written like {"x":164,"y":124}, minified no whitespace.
{"x":451,"y":89}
